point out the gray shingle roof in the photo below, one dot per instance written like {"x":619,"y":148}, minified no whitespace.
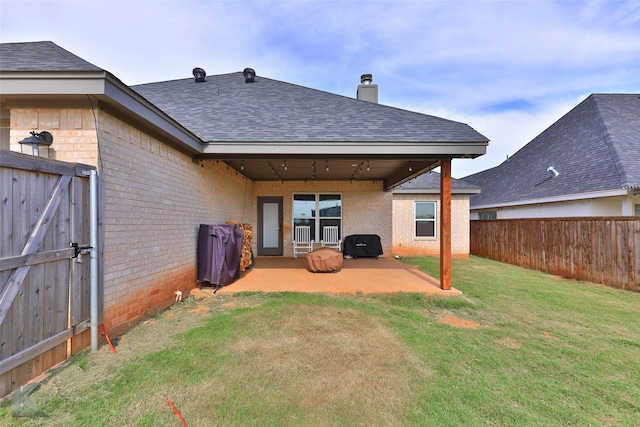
{"x":225,"y":108}
{"x":431,"y":181}
{"x":40,"y":56}
{"x":595,"y":147}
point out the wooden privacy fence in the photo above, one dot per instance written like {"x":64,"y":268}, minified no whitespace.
{"x":599,"y":249}
{"x":44,"y":286}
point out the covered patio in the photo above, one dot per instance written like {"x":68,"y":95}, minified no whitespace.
{"x":359,"y":275}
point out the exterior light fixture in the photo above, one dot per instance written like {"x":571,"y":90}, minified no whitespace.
{"x":285,"y":165}
{"x":199,"y":74}
{"x":36,"y":140}
{"x":410,"y":168}
{"x":368,"y":168}
{"x":249,"y":75}
{"x":326,"y":165}
{"x":242,"y":166}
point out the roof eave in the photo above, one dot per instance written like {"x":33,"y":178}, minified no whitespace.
{"x":362,"y":149}
{"x":103,"y":86}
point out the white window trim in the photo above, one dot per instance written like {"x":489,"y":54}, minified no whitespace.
{"x":435,"y":220}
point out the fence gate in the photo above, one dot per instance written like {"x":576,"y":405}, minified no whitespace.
{"x":44,"y":275}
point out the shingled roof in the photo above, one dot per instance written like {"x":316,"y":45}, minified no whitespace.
{"x":40,"y":56}
{"x":594,"y":147}
{"x":429,"y":183}
{"x":225,"y":108}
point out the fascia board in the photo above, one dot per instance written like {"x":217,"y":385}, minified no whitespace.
{"x":427,"y":150}
{"x":86,"y":83}
{"x":555,"y":199}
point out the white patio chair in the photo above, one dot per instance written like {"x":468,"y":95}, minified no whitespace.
{"x":302,"y":243}
{"x":330,"y":237}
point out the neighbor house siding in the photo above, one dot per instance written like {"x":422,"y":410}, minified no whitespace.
{"x":606,"y":206}
{"x":153,"y":199}
{"x":404,"y":240}
{"x":366,"y":207}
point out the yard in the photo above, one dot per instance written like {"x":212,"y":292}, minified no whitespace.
{"x":518,"y":348}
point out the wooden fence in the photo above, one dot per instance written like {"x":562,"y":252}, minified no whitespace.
{"x":44,"y":287}
{"x":599,"y":249}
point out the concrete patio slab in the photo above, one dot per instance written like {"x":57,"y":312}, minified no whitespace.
{"x":361,"y":275}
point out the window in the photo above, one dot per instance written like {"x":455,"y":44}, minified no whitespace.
{"x":488,"y":215}
{"x":637,"y":210}
{"x":425,"y":219}
{"x":318,"y":211}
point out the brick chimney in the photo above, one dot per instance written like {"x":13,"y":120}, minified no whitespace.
{"x":367,"y":91}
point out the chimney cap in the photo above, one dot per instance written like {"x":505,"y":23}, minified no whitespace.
{"x":366,"y":79}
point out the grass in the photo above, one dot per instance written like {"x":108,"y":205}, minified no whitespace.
{"x":518,"y":348}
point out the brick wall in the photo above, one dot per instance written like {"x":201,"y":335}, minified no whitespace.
{"x":366,"y":207}
{"x":153,"y":199}
{"x":404,"y":240}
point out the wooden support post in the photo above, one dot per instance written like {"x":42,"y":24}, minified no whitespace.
{"x":445,"y":224}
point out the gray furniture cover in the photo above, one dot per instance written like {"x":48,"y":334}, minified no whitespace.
{"x":219,"y":252}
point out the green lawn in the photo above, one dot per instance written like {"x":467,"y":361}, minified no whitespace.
{"x":518,"y":348}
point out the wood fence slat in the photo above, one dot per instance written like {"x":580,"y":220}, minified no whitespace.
{"x":600,"y":249}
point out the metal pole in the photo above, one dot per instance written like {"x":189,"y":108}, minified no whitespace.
{"x":93,"y":218}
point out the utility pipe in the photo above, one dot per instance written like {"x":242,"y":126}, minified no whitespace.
{"x":93,"y":219}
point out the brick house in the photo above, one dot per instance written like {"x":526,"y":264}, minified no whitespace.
{"x":416,"y":216}
{"x":204,"y":149}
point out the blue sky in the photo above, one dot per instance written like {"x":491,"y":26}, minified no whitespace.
{"x":507,"y":68}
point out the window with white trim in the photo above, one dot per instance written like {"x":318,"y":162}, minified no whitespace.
{"x":637,"y":211}
{"x":425,"y":219}
{"x":317,"y":211}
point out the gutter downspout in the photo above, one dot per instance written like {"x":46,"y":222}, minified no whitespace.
{"x":93,"y":227}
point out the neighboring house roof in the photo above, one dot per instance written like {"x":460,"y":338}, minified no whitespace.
{"x":429,"y":183}
{"x":595,"y":148}
{"x":225,"y":108}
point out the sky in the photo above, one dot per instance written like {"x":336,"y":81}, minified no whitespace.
{"x":508,"y":68}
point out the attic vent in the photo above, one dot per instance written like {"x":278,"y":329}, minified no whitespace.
{"x":249,"y":75}
{"x":199,"y":74}
{"x":553,"y":171}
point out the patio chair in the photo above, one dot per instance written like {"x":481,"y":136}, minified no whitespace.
{"x":302,"y":243}
{"x":330,"y":237}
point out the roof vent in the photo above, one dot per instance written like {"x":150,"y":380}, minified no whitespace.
{"x":249,"y":75}
{"x":199,"y":74}
{"x":553,"y":171}
{"x":366,"y":79}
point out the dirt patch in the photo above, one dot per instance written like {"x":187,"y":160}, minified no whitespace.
{"x":459,"y":323}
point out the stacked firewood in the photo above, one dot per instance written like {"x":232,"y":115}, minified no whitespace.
{"x":246,"y":257}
